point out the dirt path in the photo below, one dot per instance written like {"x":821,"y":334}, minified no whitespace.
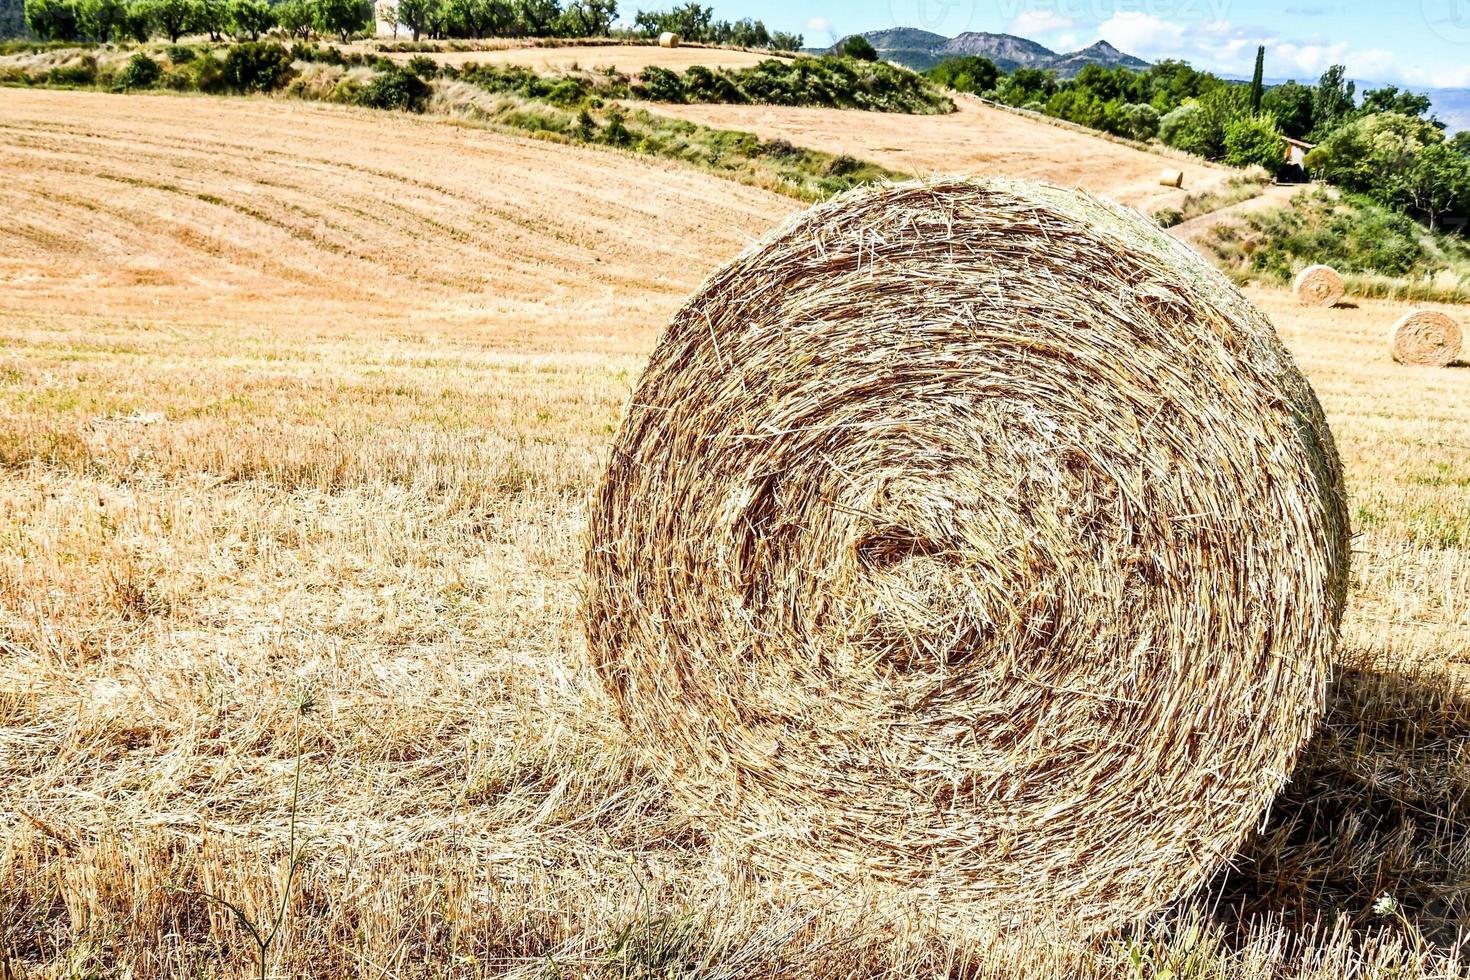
{"x":1275,"y":195}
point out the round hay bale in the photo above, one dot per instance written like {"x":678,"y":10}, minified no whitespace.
{"x":1426,"y":337}
{"x":1172,"y":178}
{"x":668,"y":39}
{"x":1318,"y":285}
{"x":977,"y":543}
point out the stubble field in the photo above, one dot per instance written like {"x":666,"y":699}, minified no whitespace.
{"x":299,"y":409}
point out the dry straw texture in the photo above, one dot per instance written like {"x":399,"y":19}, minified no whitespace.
{"x":668,"y":39}
{"x":1318,"y":285}
{"x":1172,"y":178}
{"x":1425,"y":337}
{"x":974,"y":540}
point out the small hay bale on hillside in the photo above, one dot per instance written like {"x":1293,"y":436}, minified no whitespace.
{"x":1426,"y":337}
{"x":1172,"y":178}
{"x":973,"y":543}
{"x":668,"y":39}
{"x":1318,"y":285}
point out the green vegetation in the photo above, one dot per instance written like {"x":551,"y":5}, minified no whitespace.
{"x":695,"y":22}
{"x":1385,"y":147}
{"x":860,"y":48}
{"x":244,"y":20}
{"x":1239,"y":188}
{"x":1381,"y":251}
{"x":833,"y":82}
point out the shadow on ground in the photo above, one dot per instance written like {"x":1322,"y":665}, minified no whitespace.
{"x":1377,"y":806}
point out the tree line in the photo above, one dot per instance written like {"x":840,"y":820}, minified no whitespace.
{"x":141,"y":20}
{"x":1386,"y":145}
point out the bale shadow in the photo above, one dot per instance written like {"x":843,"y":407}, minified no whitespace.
{"x":1377,"y":806}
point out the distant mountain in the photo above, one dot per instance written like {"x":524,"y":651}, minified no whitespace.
{"x":921,"y":50}
{"x":1101,"y":53}
{"x":1006,"y":50}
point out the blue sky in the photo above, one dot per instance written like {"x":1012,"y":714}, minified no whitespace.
{"x":1414,"y":42}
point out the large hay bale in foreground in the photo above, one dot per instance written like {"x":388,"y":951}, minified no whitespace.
{"x":1425,"y":337}
{"x":1318,"y":285}
{"x":973,"y":541}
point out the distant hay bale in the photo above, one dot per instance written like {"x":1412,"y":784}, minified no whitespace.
{"x":977,"y":543}
{"x":1172,"y":178}
{"x":1318,"y":285}
{"x":1426,"y":337}
{"x":668,"y":39}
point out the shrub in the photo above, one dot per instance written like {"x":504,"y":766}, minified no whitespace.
{"x":1184,"y":129}
{"x":257,"y":66}
{"x":79,"y":72}
{"x":616,"y":133}
{"x":860,"y":48}
{"x":141,"y":71}
{"x":179,"y":54}
{"x":396,"y":89}
{"x":659,"y":85}
{"x":423,"y":66}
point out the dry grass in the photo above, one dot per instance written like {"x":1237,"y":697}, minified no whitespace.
{"x":626,"y":58}
{"x":326,"y":445}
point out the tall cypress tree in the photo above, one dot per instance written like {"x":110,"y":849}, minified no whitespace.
{"x":1258,"y":82}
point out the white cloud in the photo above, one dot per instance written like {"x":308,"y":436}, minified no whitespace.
{"x":1143,"y":34}
{"x":1219,"y":45}
{"x":819,"y":25}
{"x":1030,"y":23}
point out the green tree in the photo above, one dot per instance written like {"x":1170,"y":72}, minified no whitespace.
{"x":248,"y":19}
{"x":1184,"y":129}
{"x":1332,"y":102}
{"x":785,"y":41}
{"x":1291,"y":104}
{"x":690,"y":21}
{"x":53,"y":20}
{"x":1255,"y":140}
{"x":1437,"y":183}
{"x":212,"y":17}
{"x":537,"y":18}
{"x":101,"y":20}
{"x":137,"y":21}
{"x":1374,"y":155}
{"x":173,"y":18}
{"x":1140,"y":121}
{"x":344,"y":18}
{"x":1391,"y":98}
{"x":588,"y":18}
{"x":1460,"y":142}
{"x":966,"y":74}
{"x":297,"y":18}
{"x":417,"y":15}
{"x":1258,"y":80}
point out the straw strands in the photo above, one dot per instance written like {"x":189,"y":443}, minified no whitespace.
{"x":976,"y":543}
{"x":1425,"y":337}
{"x":1318,"y":285}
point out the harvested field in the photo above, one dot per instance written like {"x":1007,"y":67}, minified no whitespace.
{"x":626,"y":58}
{"x":302,"y":474}
{"x":976,"y":139}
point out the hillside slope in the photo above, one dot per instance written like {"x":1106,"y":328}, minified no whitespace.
{"x":233,"y":210}
{"x":978,"y":139}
